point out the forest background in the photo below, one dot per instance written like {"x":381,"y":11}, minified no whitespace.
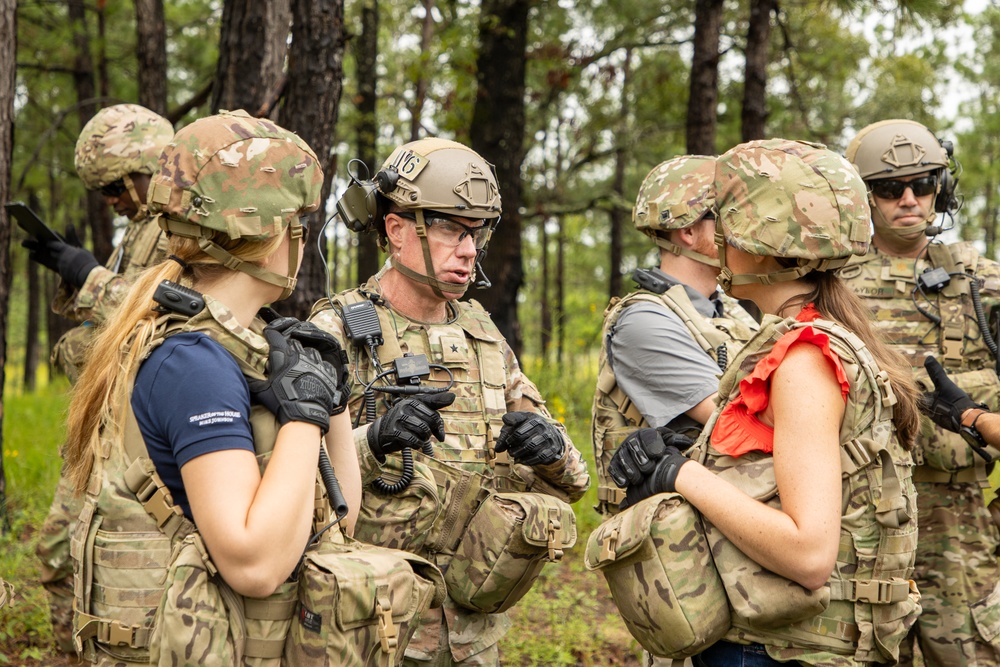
{"x":574,"y":101}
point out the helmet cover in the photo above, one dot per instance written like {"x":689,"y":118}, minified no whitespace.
{"x":120,"y":140}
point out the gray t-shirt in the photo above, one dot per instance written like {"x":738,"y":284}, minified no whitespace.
{"x":657,"y":362}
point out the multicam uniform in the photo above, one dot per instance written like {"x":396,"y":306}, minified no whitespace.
{"x":488,"y":383}
{"x":615,"y":414}
{"x":956,"y":568}
{"x":118,"y":140}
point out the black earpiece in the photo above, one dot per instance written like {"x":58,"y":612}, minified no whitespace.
{"x":358,"y":206}
{"x":947,"y":199}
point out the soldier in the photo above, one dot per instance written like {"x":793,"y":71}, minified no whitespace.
{"x":800,"y":466}
{"x":435,"y":204}
{"x":927,"y":297}
{"x":179,"y":513}
{"x":954,"y":410}
{"x":663,"y":345}
{"x":116,"y":153}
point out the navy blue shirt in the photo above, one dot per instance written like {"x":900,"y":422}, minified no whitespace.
{"x":189,"y":399}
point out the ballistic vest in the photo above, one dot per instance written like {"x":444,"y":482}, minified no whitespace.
{"x":872,"y":602}
{"x":130,"y":532}
{"x":888,"y":286}
{"x":614,"y":414}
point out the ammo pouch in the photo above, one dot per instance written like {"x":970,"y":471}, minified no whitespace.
{"x":662,"y":576}
{"x":359,"y":604}
{"x":503,"y":548}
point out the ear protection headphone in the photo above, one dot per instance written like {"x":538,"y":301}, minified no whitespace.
{"x":359,"y":206}
{"x":947,"y":201}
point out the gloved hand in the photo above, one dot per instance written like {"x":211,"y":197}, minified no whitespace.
{"x":66,"y":258}
{"x":530,"y":438}
{"x":948,"y":401}
{"x":330,"y":351}
{"x":408,"y":423}
{"x":647,"y":462}
{"x":300,"y":386}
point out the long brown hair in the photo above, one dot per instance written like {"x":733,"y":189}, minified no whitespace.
{"x":835,"y":301}
{"x":114,"y":356}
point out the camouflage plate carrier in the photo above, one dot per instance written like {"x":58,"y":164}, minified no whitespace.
{"x":868,"y":605}
{"x":614,"y":415}
{"x":956,"y":566}
{"x":456,"y":492}
{"x":147,"y":592}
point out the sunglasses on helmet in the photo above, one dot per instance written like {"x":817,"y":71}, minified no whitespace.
{"x":114,"y":189}
{"x":892,"y":189}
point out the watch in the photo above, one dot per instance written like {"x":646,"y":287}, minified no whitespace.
{"x":973,"y":438}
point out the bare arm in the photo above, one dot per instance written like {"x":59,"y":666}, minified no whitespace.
{"x":344,"y":458}
{"x":800,"y":540}
{"x":256,"y":527}
{"x":701,"y":412}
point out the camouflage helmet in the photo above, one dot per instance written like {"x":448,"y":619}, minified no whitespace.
{"x":892,"y":148}
{"x":232,"y":173}
{"x":791,"y":199}
{"x":443,"y":176}
{"x":120,"y":140}
{"x":675,"y":194}
{"x":245,"y":177}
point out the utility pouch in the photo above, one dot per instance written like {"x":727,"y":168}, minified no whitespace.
{"x":662,"y":576}
{"x":359,"y":605}
{"x":759,"y":598}
{"x":403,"y":521}
{"x":502,"y":550}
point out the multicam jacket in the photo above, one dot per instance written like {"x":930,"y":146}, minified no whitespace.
{"x":872,"y":603}
{"x":428,"y":517}
{"x":142,"y":246}
{"x":131,"y":538}
{"x":614,"y":415}
{"x":888,"y":286}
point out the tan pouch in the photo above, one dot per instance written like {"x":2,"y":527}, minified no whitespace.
{"x":510,"y":537}
{"x":662,"y":576}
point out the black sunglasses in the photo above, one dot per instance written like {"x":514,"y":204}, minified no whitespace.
{"x":891,"y":189}
{"x":114,"y":189}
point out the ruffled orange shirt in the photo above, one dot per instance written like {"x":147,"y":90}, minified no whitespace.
{"x":738,"y":429}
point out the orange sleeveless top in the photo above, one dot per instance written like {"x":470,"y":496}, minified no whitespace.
{"x":738,"y":429}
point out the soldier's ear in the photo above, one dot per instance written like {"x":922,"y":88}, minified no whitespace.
{"x":394,"y":229}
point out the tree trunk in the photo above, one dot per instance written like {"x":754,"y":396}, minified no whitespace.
{"x":366,"y":57}
{"x":98,"y":217}
{"x":253,"y":42}
{"x":703,"y":97}
{"x":151,"y":52}
{"x":8,"y":58}
{"x":545,"y":339}
{"x":31,"y":346}
{"x":618,"y":185}
{"x":560,"y":290}
{"x":497,"y":134}
{"x":420,"y":91}
{"x":754,"y":113}
{"x":312,"y":95}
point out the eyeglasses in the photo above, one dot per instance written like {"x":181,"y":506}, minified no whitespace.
{"x":451,"y":233}
{"x":892,"y":189}
{"x":114,"y":189}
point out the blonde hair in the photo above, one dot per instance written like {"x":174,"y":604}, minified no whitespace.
{"x":835,"y":301}
{"x":114,"y":356}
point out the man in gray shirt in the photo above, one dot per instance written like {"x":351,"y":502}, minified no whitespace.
{"x":663,"y":346}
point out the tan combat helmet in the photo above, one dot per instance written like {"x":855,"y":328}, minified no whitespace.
{"x":442,"y":176}
{"x":244,"y":177}
{"x":791,"y":199}
{"x":674,"y":195}
{"x":899,"y":147}
{"x":120,"y":140}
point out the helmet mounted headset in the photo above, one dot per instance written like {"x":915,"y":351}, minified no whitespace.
{"x":422,"y":178}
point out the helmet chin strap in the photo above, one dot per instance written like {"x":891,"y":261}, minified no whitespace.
{"x":285,"y":282}
{"x":142,"y":209}
{"x":675,"y":249}
{"x":439,"y":286}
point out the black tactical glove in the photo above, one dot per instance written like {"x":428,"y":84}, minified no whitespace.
{"x":311,"y":336}
{"x":408,"y":423}
{"x":948,"y":401}
{"x":647,"y":462}
{"x":300,"y":386}
{"x":67,"y":259}
{"x":531,"y":439}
